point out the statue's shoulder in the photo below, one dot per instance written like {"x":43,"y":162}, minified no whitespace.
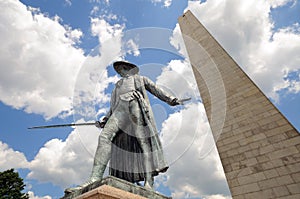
{"x":118,"y":83}
{"x":139,"y":77}
{"x":139,"y":81}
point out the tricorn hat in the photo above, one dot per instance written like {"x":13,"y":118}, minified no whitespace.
{"x":131,"y":68}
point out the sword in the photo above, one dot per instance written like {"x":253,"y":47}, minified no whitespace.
{"x":63,"y":125}
{"x":89,"y":123}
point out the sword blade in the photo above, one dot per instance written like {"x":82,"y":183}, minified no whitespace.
{"x":62,"y":125}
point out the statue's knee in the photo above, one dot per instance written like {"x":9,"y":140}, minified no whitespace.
{"x":108,"y":137}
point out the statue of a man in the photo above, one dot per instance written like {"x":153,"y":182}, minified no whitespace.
{"x":130,"y":112}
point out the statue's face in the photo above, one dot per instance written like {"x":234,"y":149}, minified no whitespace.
{"x":123,"y":72}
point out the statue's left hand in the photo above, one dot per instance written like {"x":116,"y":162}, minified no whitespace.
{"x":174,"y":102}
{"x":101,"y":124}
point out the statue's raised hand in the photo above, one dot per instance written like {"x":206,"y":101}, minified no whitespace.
{"x":101,"y":124}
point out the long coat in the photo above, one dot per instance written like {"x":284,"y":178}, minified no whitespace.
{"x":126,"y":158}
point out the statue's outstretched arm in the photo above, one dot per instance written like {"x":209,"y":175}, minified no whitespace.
{"x":160,"y":93}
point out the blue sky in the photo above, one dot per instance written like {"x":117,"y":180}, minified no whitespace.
{"x":55,"y":67}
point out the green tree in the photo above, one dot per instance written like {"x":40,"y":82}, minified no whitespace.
{"x":11,"y":185}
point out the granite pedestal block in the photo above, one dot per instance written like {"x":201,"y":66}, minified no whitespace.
{"x":114,"y":188}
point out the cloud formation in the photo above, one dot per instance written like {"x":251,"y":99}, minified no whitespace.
{"x":192,"y":143}
{"x":64,"y":159}
{"x":166,"y":3}
{"x":32,"y":196}
{"x":68,"y":162}
{"x":178,"y":77}
{"x":37,"y":56}
{"x":9,"y":158}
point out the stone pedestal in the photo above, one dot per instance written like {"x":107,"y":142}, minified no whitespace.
{"x":114,"y":188}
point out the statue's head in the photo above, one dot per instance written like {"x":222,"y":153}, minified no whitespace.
{"x":125,"y":68}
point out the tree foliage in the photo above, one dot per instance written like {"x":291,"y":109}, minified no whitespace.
{"x":11,"y":185}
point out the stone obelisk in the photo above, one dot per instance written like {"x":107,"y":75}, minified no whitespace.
{"x":258,"y":147}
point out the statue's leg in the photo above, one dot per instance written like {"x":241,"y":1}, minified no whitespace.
{"x":139,"y":129}
{"x":102,"y":154}
{"x":103,"y":150}
{"x":149,"y":180}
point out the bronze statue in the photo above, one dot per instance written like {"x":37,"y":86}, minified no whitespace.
{"x":130,"y":117}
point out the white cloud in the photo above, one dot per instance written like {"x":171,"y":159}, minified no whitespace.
{"x":98,"y":1}
{"x":104,"y":30}
{"x":68,"y":161}
{"x":295,"y":87}
{"x":10,"y":158}
{"x":68,"y":2}
{"x":95,"y":10}
{"x":109,"y":38}
{"x":245,"y":30}
{"x":167,"y":3}
{"x":218,"y":196}
{"x":74,"y":35}
{"x":32,"y":196}
{"x":177,"y":41}
{"x":91,"y":82}
{"x":133,"y":48}
{"x":185,"y":141}
{"x":37,"y":56}
{"x":278,"y":3}
{"x":178,"y":77}
{"x":192,"y":142}
{"x":93,"y":79}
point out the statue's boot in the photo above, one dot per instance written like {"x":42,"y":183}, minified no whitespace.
{"x":149,"y":181}
{"x":100,"y":161}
